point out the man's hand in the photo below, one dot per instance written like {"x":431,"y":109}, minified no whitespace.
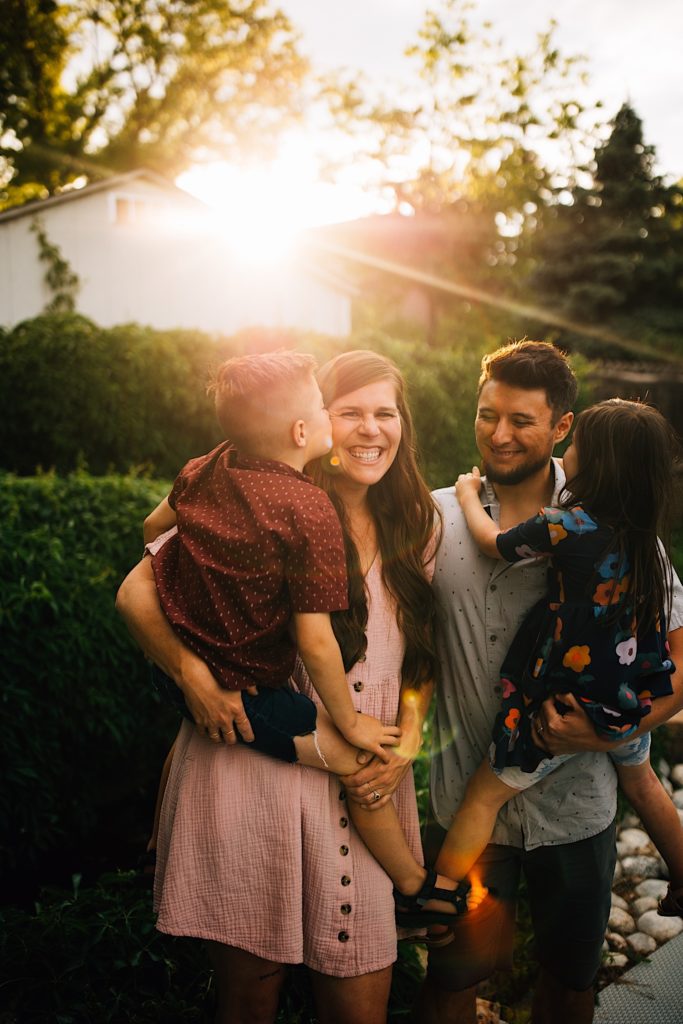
{"x":218,"y":713}
{"x":566,"y":732}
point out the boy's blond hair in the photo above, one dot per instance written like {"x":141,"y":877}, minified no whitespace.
{"x":258,"y":398}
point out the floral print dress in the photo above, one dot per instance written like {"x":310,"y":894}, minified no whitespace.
{"x":569,"y":644}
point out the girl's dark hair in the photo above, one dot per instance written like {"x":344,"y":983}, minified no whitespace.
{"x":626,"y":458}
{"x":405,"y":519}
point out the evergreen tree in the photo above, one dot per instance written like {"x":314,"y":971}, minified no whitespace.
{"x":615,"y":253}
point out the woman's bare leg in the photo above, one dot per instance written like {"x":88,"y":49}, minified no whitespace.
{"x":363,"y":1000}
{"x":248,"y":987}
{"x":656,"y":810}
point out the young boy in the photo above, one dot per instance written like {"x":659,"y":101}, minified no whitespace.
{"x":257,"y":562}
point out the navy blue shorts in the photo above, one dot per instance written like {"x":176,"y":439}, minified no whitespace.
{"x":569,"y":889}
{"x":276,"y":716}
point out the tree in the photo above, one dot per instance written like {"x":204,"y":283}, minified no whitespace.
{"x":95,"y":86}
{"x":615,"y":252}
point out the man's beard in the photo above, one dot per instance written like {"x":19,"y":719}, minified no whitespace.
{"x":509,"y":478}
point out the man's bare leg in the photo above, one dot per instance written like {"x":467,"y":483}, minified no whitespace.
{"x":555,"y":1004}
{"x":656,"y":810}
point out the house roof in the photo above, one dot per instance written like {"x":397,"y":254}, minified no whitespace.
{"x":115,"y":181}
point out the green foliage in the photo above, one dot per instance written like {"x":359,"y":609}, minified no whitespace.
{"x":95,"y":955}
{"x":83,"y":732}
{"x":616,"y":251}
{"x":60,"y":279}
{"x":72,"y":393}
{"x":110,"y":86}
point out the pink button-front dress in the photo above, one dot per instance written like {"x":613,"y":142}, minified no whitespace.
{"x":260,"y":854}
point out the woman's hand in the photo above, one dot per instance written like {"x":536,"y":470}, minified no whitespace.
{"x":218,"y":713}
{"x":377,"y":777}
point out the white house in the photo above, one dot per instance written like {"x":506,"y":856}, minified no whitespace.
{"x":148,"y":252}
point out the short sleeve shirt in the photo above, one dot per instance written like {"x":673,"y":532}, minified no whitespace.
{"x":256,"y":542}
{"x":481,"y":603}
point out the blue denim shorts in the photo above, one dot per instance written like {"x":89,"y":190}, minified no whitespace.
{"x":630,"y":754}
{"x":276,"y":716}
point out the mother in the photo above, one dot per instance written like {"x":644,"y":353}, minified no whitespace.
{"x":258,"y":856}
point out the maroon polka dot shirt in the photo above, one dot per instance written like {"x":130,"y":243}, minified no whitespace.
{"x":256,"y":541}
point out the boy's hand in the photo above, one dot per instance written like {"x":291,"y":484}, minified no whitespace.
{"x":468,"y":484}
{"x":370,"y":734}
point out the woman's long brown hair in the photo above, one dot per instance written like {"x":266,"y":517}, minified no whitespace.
{"x":627,"y":453}
{"x":405,"y":519}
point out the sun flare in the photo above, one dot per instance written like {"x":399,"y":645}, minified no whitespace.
{"x":263,"y":208}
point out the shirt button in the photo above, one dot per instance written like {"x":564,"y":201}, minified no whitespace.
{"x":345,"y":908}
{"x":345,"y":880}
{"x":497,"y":689}
{"x":493,"y":638}
{"x":343,"y":936}
{"x":345,"y":821}
{"x":344,"y":850}
{"x":358,"y":686}
{"x":493,"y":587}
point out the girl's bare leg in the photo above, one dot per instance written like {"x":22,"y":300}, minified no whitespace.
{"x":471,"y":828}
{"x":656,"y":810}
{"x":380,"y":830}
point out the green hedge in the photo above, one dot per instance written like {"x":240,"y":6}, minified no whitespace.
{"x":82,"y":731}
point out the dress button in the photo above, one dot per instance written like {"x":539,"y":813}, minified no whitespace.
{"x":345,"y":908}
{"x":344,"y":822}
{"x":343,"y":936}
{"x":344,"y":850}
{"x":358,"y":686}
{"x":345,"y":880}
{"x":342,"y":794}
{"x":493,"y":638}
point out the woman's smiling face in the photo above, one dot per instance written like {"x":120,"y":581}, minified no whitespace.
{"x":366,"y":431}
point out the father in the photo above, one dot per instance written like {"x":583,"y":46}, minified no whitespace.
{"x":560,"y":833}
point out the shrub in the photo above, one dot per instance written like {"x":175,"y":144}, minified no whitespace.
{"x":83,"y":732}
{"x":94,"y":955}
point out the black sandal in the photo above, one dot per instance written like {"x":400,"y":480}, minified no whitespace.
{"x":409,"y":909}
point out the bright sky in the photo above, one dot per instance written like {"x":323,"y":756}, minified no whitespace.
{"x":633,"y":53}
{"x":633,"y":48}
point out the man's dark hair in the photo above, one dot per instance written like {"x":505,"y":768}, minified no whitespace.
{"x":530,"y":365}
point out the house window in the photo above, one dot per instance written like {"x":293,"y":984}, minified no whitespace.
{"x":133,"y":210}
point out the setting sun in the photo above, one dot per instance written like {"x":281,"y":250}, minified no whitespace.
{"x":264,"y":207}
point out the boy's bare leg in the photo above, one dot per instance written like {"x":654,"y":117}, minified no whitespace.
{"x":152,"y":844}
{"x":471,"y":828}
{"x":656,"y":810}
{"x":379,"y":829}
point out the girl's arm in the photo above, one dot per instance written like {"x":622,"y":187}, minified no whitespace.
{"x":159,"y":521}
{"x":480,"y":524}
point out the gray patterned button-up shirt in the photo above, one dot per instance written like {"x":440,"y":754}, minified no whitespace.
{"x":481,"y":604}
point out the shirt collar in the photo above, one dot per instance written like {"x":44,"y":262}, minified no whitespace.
{"x":240,"y":461}
{"x":489,"y":499}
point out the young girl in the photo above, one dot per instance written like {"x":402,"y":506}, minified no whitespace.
{"x":600,"y":632}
